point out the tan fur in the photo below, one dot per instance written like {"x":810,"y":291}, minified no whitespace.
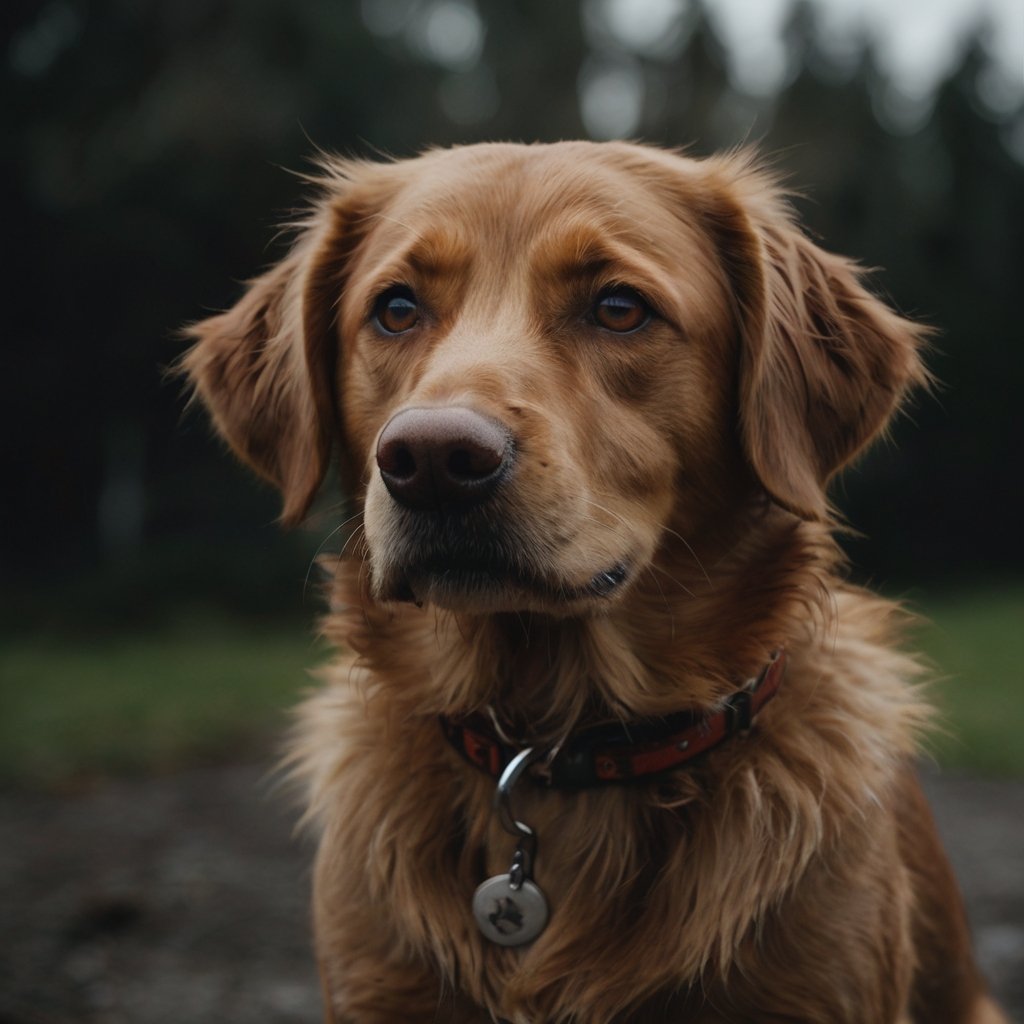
{"x":792,"y":874}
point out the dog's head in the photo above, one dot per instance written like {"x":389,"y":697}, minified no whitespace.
{"x":538,"y":362}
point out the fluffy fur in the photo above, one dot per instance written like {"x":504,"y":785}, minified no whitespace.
{"x":792,"y":874}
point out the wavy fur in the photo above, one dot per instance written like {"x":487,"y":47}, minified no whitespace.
{"x":791,"y":874}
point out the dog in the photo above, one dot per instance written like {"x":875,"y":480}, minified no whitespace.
{"x":609,"y":738}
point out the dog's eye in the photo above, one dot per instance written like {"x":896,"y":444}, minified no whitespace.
{"x":396,"y":311}
{"x":621,"y":310}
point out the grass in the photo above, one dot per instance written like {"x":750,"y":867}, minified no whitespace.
{"x":976,"y":642}
{"x":76,"y":709}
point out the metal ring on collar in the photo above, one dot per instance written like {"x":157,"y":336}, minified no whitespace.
{"x":503,"y":792}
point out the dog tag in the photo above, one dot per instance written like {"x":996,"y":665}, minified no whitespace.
{"x":507,"y":915}
{"x":509,"y":909}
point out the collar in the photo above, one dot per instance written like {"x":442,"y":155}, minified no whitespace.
{"x":619,"y":752}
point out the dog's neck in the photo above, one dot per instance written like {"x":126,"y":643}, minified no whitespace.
{"x":691,"y":629}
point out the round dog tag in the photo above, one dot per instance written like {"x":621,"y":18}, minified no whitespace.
{"x":507,"y":916}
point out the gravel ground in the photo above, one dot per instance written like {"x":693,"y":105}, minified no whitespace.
{"x":183,"y":899}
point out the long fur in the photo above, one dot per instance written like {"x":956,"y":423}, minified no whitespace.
{"x":793,"y":873}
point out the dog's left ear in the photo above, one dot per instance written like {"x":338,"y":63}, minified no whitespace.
{"x":823,"y":363}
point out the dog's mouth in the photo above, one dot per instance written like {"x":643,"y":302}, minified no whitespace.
{"x":486,"y":582}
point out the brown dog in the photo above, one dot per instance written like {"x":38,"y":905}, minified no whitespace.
{"x":586,"y":400}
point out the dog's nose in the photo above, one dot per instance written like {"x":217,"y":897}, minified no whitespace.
{"x":431,"y":458}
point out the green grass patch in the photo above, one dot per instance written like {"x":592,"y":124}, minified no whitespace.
{"x":74,"y":709}
{"x":976,"y":642}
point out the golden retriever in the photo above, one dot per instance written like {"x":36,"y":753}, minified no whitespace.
{"x":586,"y":399}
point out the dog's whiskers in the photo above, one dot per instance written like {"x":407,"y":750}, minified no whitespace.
{"x":606,"y":510}
{"x":686,"y":544}
{"x":664,"y":598}
{"x":320,"y":547}
{"x":655,"y":568}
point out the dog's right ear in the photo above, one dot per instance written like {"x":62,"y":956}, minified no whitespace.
{"x":265,"y":369}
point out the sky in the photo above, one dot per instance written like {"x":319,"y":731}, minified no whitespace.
{"x":916,"y":41}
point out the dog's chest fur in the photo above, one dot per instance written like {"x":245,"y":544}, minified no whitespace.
{"x":707,"y":868}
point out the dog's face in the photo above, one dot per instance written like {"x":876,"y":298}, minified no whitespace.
{"x":527,"y":382}
{"x":538,"y":362}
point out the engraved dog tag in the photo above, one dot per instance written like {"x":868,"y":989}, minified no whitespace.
{"x":510,"y":916}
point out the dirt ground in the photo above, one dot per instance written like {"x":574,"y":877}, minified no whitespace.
{"x":183,"y":899}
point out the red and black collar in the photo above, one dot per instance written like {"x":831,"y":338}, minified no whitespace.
{"x":617,"y":752}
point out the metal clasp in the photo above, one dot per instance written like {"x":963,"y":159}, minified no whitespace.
{"x":740,"y":707}
{"x":526,"y":845}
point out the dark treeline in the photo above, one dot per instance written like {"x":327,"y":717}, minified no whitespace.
{"x":146,"y":154}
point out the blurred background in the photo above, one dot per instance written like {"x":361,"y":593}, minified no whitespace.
{"x":149,"y":150}
{"x":153,"y":616}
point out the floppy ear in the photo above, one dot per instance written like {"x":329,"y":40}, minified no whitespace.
{"x":265,"y":368}
{"x":823,"y":363}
